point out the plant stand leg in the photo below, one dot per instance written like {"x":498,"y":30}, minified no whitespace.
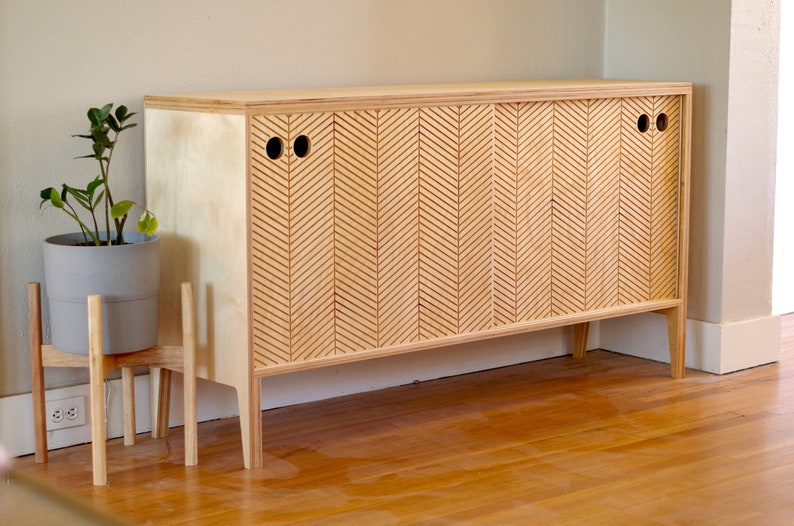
{"x":128,"y":400}
{"x":97,"y":375}
{"x":37,"y":372}
{"x":160,"y":390}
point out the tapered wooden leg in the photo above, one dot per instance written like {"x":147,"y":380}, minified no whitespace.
{"x":189,"y":373}
{"x":250,"y":405}
{"x":160,"y":391}
{"x":37,"y":372}
{"x":580,"y":332}
{"x":676,"y":335}
{"x":128,"y":401}
{"x":97,"y":375}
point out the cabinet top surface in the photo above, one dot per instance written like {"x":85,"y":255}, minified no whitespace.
{"x":318,"y":99}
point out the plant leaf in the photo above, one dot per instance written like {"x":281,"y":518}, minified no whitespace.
{"x":52,"y":196}
{"x":121,"y":113}
{"x":147,"y":223}
{"x":121,"y":209}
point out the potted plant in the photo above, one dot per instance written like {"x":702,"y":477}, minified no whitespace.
{"x":101,"y":258}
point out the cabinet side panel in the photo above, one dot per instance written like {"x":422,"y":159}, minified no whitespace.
{"x":635,"y":202}
{"x":533,"y":211}
{"x":476,"y":218}
{"x":398,"y":227}
{"x":270,"y":272}
{"x":665,"y":198}
{"x":196,"y":184}
{"x":569,"y":208}
{"x":603,"y":201}
{"x":356,"y":230}
{"x":438,"y":222}
{"x":311,"y":241}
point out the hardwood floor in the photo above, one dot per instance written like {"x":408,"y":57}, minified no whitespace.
{"x":608,"y":440}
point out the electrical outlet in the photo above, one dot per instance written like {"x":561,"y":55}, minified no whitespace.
{"x":67,"y":412}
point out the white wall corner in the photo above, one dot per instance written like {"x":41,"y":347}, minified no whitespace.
{"x":711,"y":347}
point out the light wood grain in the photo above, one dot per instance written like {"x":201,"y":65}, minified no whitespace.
{"x":607,"y":440}
{"x":180,"y":358}
{"x":421,"y":216}
{"x":37,"y":371}
{"x":383,"y":97}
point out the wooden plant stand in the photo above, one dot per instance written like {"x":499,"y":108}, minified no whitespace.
{"x":179,"y":358}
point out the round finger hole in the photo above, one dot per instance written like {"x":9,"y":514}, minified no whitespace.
{"x":274,"y":148}
{"x":661,"y":122}
{"x":302,"y":146}
{"x":643,"y":123}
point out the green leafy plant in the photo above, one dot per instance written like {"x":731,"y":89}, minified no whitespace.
{"x":96,"y":198}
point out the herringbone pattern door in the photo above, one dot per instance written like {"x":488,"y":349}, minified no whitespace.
{"x":292,"y":205}
{"x":649,"y":199}
{"x":455,"y":217}
{"x":666,"y":167}
{"x":522,"y":189}
{"x":355,"y":233}
{"x":404,"y":225}
{"x":398,"y":227}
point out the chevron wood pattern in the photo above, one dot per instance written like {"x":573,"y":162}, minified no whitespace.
{"x":412,"y":224}
{"x":413,"y":217}
{"x":664,"y":200}
{"x":398,"y":226}
{"x":270,"y":227}
{"x":603,"y":202}
{"x":635,"y":203}
{"x":569,"y":207}
{"x":438,"y":222}
{"x":522,"y":209}
{"x":475,"y":218}
{"x":356,"y":230}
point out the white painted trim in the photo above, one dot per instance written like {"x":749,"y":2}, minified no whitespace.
{"x":711,"y":347}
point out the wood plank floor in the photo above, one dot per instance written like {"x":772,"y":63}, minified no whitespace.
{"x":608,"y":440}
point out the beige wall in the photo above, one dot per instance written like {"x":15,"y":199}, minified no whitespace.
{"x":729,"y":50}
{"x":58,"y":58}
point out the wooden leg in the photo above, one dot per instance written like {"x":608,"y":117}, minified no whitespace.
{"x":97,"y":376}
{"x":676,"y":334}
{"x":37,"y":372}
{"x":580,"y":332}
{"x":128,"y":400}
{"x":160,"y":390}
{"x":189,"y":373}
{"x":250,"y":405}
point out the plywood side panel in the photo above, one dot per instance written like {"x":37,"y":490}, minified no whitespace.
{"x":195,"y":161}
{"x":356,"y":231}
{"x":398,"y":226}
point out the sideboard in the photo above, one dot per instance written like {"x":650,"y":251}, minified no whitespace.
{"x":324,"y":226}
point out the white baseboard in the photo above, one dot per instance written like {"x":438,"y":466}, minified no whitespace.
{"x":218,"y":401}
{"x":711,"y":347}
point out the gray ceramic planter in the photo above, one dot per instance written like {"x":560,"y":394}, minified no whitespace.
{"x":127,"y":277}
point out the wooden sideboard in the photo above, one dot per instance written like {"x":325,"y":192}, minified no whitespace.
{"x":326,"y":226}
